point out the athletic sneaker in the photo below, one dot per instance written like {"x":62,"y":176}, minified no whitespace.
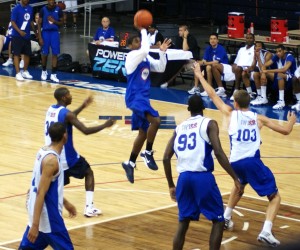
{"x":26,"y":75}
{"x":19,"y":77}
{"x":194,"y":90}
{"x":280,"y":105}
{"x":129,"y":170}
{"x":148,"y":159}
{"x":21,"y":65}
{"x":252,"y":95}
{"x":44,"y":75}
{"x":221,"y":92}
{"x":8,"y":62}
{"x":296,"y":106}
{"x":259,"y":100}
{"x":164,"y":85}
{"x":54,"y":78}
{"x":204,"y":93}
{"x":268,"y":238}
{"x":228,"y":224}
{"x":91,"y":211}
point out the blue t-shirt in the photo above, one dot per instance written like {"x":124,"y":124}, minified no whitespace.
{"x":281,"y":62}
{"x":102,"y":34}
{"x":56,"y":13}
{"x":22,"y":16}
{"x":216,"y":54}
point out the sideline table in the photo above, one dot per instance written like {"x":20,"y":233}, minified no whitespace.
{"x":294,"y":34}
{"x":109,"y":63}
{"x":293,"y":45}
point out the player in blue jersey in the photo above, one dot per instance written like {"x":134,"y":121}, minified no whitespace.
{"x":284,"y":72}
{"x":50,"y":19}
{"x":197,"y":192}
{"x":22,"y":22}
{"x":244,"y":132}
{"x":46,"y":225}
{"x":74,"y":164}
{"x":104,"y":33}
{"x":145,"y":119}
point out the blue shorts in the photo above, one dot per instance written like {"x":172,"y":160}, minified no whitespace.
{"x":138,"y":117}
{"x":58,"y":241}
{"x":51,"y":39}
{"x":253,"y":171}
{"x":77,"y":171}
{"x":197,"y":192}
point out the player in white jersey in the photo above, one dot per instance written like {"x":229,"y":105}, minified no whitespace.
{"x":197,"y":191}
{"x":74,"y":164}
{"x":244,"y":132}
{"x":46,"y":225}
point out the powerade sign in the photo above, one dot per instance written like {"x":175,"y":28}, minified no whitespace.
{"x":108,"y":62}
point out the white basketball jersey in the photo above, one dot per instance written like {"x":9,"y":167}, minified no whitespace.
{"x":51,"y":117}
{"x":51,"y":216}
{"x":244,"y":135}
{"x":192,"y":146}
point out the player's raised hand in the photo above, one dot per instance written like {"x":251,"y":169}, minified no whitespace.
{"x":166,"y":44}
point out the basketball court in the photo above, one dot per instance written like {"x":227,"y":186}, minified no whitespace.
{"x":139,"y":215}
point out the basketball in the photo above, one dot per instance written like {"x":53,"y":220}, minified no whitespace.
{"x":61,"y":5}
{"x":143,"y":18}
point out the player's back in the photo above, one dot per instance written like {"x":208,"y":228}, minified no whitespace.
{"x":244,"y":135}
{"x":192,"y":145}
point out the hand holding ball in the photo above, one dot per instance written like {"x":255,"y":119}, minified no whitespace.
{"x":143,"y":19}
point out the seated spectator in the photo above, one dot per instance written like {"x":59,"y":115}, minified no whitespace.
{"x":242,"y":62}
{"x":104,"y":33}
{"x":155,"y":37}
{"x":286,"y":67}
{"x":6,"y":45}
{"x":216,"y":64}
{"x":186,"y":42}
{"x":296,"y":88}
{"x":261,"y":56}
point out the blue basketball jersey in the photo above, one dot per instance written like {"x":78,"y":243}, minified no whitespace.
{"x":22,"y":16}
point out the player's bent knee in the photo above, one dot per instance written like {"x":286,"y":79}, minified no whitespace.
{"x":275,"y":195}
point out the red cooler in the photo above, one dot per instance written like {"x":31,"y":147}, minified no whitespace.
{"x":279,"y":28}
{"x":236,"y":24}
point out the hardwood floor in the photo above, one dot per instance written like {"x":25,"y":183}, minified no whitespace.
{"x":138,"y":216}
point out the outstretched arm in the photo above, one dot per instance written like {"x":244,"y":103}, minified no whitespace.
{"x":285,"y":130}
{"x":84,"y":105}
{"x":224,"y":108}
{"x":159,"y":65}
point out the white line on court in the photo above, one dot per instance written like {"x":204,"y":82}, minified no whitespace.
{"x":246,"y":226}
{"x":6,"y":248}
{"x":228,"y":240}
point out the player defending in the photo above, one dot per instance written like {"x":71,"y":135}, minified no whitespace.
{"x":244,"y":132}
{"x":197,"y":191}
{"x":144,"y":118}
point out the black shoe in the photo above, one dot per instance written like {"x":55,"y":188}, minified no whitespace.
{"x":148,"y":159}
{"x":129,"y":170}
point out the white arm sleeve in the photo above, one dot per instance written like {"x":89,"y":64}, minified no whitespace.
{"x":158,"y":65}
{"x":135,"y":57}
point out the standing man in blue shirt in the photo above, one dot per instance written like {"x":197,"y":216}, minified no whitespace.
{"x":104,"y":33}
{"x":51,"y":17}
{"x":21,"y":19}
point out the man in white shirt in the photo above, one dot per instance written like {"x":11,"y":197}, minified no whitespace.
{"x":242,"y":62}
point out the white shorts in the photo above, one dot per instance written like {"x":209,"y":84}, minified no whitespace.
{"x":72,"y":4}
{"x":228,"y":75}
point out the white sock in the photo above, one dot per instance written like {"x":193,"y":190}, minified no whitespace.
{"x":268,"y":226}
{"x":89,"y":198}
{"x":227,"y":213}
{"x":281,"y":95}
{"x":298,"y":97}
{"x":264,"y":91}
{"x":249,"y":90}
{"x":9,"y":60}
{"x":258,"y":91}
